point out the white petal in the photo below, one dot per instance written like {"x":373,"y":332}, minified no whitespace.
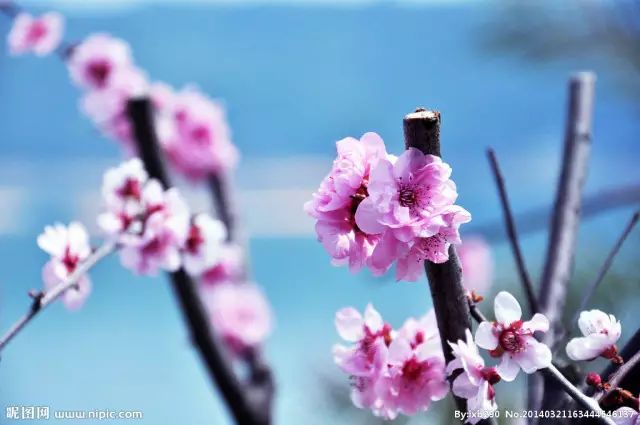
{"x":372,"y":319}
{"x":485,"y":338}
{"x":399,"y":351}
{"x":508,"y":369}
{"x":349,"y":324}
{"x":538,"y":322}
{"x":507,"y":308}
{"x":462,"y":387}
{"x":587,"y":348}
{"x":536,"y":356}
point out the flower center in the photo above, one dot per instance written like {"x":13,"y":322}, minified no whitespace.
{"x":490,"y":374}
{"x":512,"y":338}
{"x":37,"y":31}
{"x":99,"y":71}
{"x":194,"y":240}
{"x":407,"y":197}
{"x":130,"y":189}
{"x":70,"y":261}
{"x":412,"y":369}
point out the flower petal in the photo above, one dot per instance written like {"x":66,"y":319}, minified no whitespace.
{"x":485,"y":337}
{"x":349,"y":324}
{"x":508,"y":368}
{"x":507,"y":308}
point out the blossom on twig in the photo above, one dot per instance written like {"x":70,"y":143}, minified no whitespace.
{"x":40,"y":35}
{"x":601,"y":332}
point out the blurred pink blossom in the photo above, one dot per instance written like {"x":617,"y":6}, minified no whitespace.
{"x":195,"y":133}
{"x":69,"y":247}
{"x":240,"y":313}
{"x":512,"y":340}
{"x":40,"y":35}
{"x":477,"y":264}
{"x":97,"y":59}
{"x":151,"y":224}
{"x":335,"y":203}
{"x":601,"y":332}
{"x":203,"y":246}
{"x":229,"y":267}
{"x":476,"y":381}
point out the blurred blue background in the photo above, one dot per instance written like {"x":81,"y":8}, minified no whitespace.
{"x":296,"y":77}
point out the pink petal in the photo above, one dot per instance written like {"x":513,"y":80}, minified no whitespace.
{"x":508,"y":368}
{"x":538,"y":322}
{"x":349,"y":324}
{"x":367,"y":217}
{"x":536,"y":356}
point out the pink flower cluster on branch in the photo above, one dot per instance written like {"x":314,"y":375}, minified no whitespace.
{"x":192,"y":128}
{"x":392,"y":371}
{"x":374,"y":209}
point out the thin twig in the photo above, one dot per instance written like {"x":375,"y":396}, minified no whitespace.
{"x":43,"y":300}
{"x":591,"y":289}
{"x":219,"y":366}
{"x":510,"y":224}
{"x":619,"y":375}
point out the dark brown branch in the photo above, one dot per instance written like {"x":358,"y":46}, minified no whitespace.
{"x":591,"y":289}
{"x":566,"y":216}
{"x":215,"y":358}
{"x":510,"y":225}
{"x":422,"y":131}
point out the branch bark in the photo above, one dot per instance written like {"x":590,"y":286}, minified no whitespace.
{"x":422,"y":131}
{"x":214,"y":356}
{"x":564,"y":224}
{"x":44,"y":299}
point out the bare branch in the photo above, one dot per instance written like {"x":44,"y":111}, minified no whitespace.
{"x":591,"y":289}
{"x":214,"y":356}
{"x":510,"y":224}
{"x":422,"y":131}
{"x":43,"y":299}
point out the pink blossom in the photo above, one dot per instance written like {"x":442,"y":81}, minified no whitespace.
{"x":407,"y":197}
{"x":196,"y":135}
{"x":68,"y":247}
{"x":601,"y":332}
{"x":477,"y":264}
{"x":239,"y":313}
{"x":164,"y":231}
{"x":626,"y":416}
{"x":97,"y":59}
{"x":411,"y":256}
{"x":202,"y":248}
{"x":107,"y":107}
{"x":365,"y":359}
{"x":512,"y":339}
{"x":124,"y":184}
{"x":229,"y":267}
{"x":40,"y":35}
{"x":415,"y":377}
{"x":476,"y":381}
{"x":335,"y":203}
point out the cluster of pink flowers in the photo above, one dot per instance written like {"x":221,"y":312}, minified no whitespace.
{"x":392,"y":371}
{"x":154,"y":230}
{"x":374,"y":209}
{"x":191,"y":127}
{"x":39,"y":35}
{"x":403,"y":371}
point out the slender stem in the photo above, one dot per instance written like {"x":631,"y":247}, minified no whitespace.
{"x":422,"y":131}
{"x":591,"y":289}
{"x":512,"y":233}
{"x":578,"y":396}
{"x":45,"y":299}
{"x":619,"y":375}
{"x":219,"y":366}
{"x":535,"y":219}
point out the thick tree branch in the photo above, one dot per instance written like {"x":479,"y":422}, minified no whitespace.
{"x":218,"y":364}
{"x":564,"y":223}
{"x":422,"y":131}
{"x":43,"y":299}
{"x":510,"y":225}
